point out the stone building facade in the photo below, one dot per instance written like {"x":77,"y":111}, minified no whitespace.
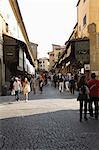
{"x":88,"y":26}
{"x":43,"y":64}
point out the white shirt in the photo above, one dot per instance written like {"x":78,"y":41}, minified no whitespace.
{"x":17,"y":85}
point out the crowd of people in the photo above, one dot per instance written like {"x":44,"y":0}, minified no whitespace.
{"x":25,"y":85}
{"x":88,"y":90}
{"x":66,"y":82}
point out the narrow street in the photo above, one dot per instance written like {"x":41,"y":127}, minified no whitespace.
{"x":46,"y":44}
{"x":48,"y":121}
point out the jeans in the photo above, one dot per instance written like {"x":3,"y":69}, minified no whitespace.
{"x":17,"y":95}
{"x":95,"y":101}
{"x":61,"y":86}
{"x":72,"y":89}
{"x":83,"y":103}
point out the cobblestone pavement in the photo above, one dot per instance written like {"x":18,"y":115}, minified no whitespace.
{"x":46,"y":124}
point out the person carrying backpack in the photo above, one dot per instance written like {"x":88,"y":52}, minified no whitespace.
{"x":83,"y":96}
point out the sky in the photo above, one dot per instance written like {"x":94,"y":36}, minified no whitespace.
{"x":48,"y":22}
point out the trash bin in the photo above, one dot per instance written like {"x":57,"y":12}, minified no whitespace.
{"x":4,"y":90}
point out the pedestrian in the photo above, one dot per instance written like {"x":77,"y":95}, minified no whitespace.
{"x":41,"y":85}
{"x":26,"y":88}
{"x":11,"y":86}
{"x":83,"y":96}
{"x":61,"y":82}
{"x":55,"y":80}
{"x":93,"y":85}
{"x":72,"y":85}
{"x":17,"y":86}
{"x":51,"y":79}
{"x":34,"y":84}
{"x":66,"y":79}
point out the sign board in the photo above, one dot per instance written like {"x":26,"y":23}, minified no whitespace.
{"x":82,"y":51}
{"x":10,"y":52}
{"x":87,"y":66}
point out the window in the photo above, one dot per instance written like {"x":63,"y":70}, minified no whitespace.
{"x":6,"y":27}
{"x":84,"y":20}
{"x":51,"y":54}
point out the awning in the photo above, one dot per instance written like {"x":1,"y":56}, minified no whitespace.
{"x":11,"y":49}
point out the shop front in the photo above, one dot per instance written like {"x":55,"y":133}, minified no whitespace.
{"x":76,"y":58}
{"x":14,"y":52}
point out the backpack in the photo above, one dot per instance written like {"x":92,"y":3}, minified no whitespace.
{"x":83,"y":89}
{"x":83,"y":93}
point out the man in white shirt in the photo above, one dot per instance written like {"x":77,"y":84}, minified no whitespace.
{"x":17,"y":87}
